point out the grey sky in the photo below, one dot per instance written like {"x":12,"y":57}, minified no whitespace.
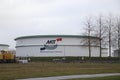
{"x":39,"y":17}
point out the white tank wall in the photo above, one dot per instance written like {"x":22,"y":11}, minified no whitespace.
{"x":35,"y":51}
{"x":41,"y":41}
{"x":3,"y":47}
{"x":104,"y":52}
{"x":69,"y":46}
{"x":60,"y":51}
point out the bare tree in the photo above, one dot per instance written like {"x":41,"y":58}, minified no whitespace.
{"x":106,"y":29}
{"x":88,"y":32}
{"x":116,"y":34}
{"x":118,"y":27}
{"x":110,"y":26}
{"x":100,"y":31}
{"x":109,"y":32}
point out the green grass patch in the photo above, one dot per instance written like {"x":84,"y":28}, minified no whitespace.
{"x":45,"y":69}
{"x":100,"y":78}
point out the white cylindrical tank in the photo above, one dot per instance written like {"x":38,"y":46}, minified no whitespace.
{"x":4,"y":47}
{"x":56,"y":45}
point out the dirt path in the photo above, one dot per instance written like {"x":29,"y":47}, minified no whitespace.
{"x":73,"y":76}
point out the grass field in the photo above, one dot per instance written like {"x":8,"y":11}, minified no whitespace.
{"x":44,"y":69}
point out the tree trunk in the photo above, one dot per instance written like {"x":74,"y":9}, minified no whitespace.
{"x":110,"y":43}
{"x":89,"y":45}
{"x":100,"y":25}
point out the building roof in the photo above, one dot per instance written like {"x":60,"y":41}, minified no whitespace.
{"x":40,"y":36}
{"x":4,"y":45}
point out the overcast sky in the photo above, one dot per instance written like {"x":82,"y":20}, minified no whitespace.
{"x":40,"y":17}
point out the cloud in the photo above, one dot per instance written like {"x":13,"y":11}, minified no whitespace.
{"x":31,"y":17}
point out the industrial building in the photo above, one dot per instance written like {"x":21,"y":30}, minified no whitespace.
{"x":58,"y":46}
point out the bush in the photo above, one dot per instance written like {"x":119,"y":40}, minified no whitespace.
{"x":77,"y":59}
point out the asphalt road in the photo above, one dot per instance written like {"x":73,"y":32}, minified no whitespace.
{"x":73,"y":76}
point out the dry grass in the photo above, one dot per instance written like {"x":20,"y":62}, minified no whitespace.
{"x":43,"y":69}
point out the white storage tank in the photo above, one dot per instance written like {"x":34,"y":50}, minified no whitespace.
{"x":56,"y":46}
{"x":4,"y":47}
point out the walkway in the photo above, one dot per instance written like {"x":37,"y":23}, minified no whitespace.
{"x":73,"y":76}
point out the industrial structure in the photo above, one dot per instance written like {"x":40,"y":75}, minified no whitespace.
{"x":58,"y":46}
{"x":6,"y":56}
{"x":4,"y":47}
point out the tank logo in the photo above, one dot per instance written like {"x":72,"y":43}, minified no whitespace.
{"x":51,"y":44}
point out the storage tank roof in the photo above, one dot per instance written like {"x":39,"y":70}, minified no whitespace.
{"x":4,"y":45}
{"x":40,"y":36}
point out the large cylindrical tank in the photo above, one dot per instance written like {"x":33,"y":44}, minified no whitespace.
{"x":56,"y":45}
{"x":4,"y":47}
